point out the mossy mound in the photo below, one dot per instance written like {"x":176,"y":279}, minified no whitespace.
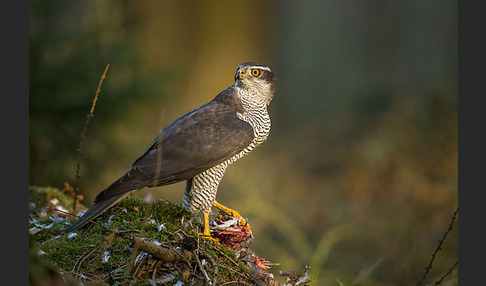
{"x":43,"y":200}
{"x":137,"y":243}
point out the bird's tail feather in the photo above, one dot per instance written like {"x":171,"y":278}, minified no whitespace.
{"x":95,"y":211}
{"x":104,"y":201}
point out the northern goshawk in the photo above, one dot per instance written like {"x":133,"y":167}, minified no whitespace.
{"x":198,"y":146}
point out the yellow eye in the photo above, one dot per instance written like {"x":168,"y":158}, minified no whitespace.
{"x":255,"y":72}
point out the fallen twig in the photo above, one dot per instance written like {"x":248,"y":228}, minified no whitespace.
{"x":213,"y":263}
{"x":203,"y":270}
{"x":80,"y":217}
{"x":82,"y":258}
{"x":165,"y":254}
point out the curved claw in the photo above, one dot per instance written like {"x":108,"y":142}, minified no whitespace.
{"x":233,"y":213}
{"x":209,"y":238}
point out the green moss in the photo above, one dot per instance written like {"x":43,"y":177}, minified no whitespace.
{"x":228,"y":251}
{"x":224,"y":272}
{"x":83,"y":252}
{"x":243,"y":267}
{"x":42,"y":198}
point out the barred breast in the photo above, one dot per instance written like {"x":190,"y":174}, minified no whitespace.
{"x":201,"y":190}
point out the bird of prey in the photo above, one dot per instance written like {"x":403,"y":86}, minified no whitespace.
{"x":198,"y":147}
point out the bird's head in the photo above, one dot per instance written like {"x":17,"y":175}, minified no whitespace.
{"x":258,"y":79}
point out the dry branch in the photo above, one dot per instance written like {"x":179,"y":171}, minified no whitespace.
{"x":447,"y":273}
{"x":83,"y":134}
{"x":162,"y":253}
{"x":80,"y":217}
{"x":439,"y":247}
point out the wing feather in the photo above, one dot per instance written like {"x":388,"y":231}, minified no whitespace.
{"x":193,"y":143}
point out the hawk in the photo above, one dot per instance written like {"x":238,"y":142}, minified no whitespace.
{"x":198,"y":147}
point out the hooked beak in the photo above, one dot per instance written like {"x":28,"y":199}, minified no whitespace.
{"x":240,"y":74}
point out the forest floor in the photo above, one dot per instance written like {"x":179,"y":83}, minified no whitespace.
{"x":141,"y":243}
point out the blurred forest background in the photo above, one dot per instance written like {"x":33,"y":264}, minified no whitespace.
{"x":358,"y":178}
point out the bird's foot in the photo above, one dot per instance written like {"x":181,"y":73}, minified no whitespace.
{"x":233,"y":213}
{"x":207,"y":231}
{"x":209,"y":238}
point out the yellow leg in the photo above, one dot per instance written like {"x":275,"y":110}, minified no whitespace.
{"x":232,"y":213}
{"x":206,"y":231}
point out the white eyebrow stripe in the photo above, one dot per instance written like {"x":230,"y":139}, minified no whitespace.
{"x":260,"y":67}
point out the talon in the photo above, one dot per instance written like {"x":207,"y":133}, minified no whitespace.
{"x":244,"y":223}
{"x":233,"y":213}
{"x":210,"y":238}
